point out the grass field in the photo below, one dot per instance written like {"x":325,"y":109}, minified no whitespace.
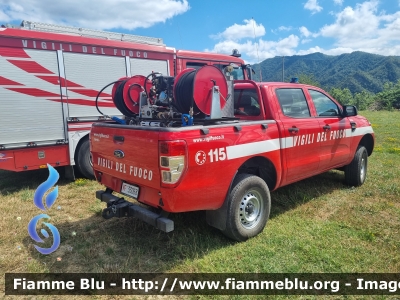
{"x":316,"y":225}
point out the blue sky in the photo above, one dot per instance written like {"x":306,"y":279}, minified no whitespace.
{"x":260,"y":29}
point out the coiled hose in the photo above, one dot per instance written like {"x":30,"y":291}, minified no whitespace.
{"x":184,"y":92}
{"x":99,"y":93}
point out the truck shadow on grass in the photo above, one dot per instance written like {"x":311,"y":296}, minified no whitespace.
{"x":128,"y":245}
{"x":11,"y":182}
{"x":295,"y":194}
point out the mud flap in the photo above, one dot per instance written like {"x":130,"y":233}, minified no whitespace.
{"x":217,"y":218}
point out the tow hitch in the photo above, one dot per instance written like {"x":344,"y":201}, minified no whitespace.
{"x":119,"y":207}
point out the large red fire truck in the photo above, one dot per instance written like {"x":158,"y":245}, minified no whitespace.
{"x":220,"y":145}
{"x":50,"y":76}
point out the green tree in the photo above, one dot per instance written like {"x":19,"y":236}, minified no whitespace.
{"x":308,"y":79}
{"x":363,"y":100}
{"x":389,"y":98}
{"x":344,"y":96}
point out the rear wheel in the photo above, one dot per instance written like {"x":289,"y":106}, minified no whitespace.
{"x":248,"y":207}
{"x":356,"y":172}
{"x":84,"y":160}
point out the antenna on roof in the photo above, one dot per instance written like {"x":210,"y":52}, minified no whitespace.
{"x":258,"y":57}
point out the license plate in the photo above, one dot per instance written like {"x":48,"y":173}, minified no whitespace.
{"x":130,"y":190}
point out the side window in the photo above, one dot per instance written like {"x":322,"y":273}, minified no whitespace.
{"x":293,"y":103}
{"x":246,"y":102}
{"x":195,"y":65}
{"x":324,"y":105}
{"x":237,"y":72}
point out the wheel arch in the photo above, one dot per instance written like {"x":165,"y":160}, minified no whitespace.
{"x":368,"y":142}
{"x":76,"y":138}
{"x":261,"y":167}
{"x":257,"y":165}
{"x":82,"y":157}
{"x":82,"y":138}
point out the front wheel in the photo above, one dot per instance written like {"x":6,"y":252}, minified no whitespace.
{"x":249,"y":206}
{"x":356,"y":172}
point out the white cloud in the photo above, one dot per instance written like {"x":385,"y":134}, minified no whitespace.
{"x":4,"y":17}
{"x":334,"y":51}
{"x":239,"y":31}
{"x":260,"y":50}
{"x":281,"y":28}
{"x":310,"y":50}
{"x":359,"y":28}
{"x":304,"y":31}
{"x":364,"y":28}
{"x":338,"y":2}
{"x":352,"y":23}
{"x":228,"y":45}
{"x":241,"y":37}
{"x":285,"y":28}
{"x":100,"y":14}
{"x":313,"y":6}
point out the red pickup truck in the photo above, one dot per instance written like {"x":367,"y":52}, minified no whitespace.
{"x":280,"y":133}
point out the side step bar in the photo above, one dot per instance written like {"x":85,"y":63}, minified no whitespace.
{"x":119,"y":207}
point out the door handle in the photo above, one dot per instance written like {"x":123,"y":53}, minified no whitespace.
{"x":293,"y":130}
{"x":327,"y":127}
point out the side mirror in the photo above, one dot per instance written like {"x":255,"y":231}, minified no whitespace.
{"x":349,"y":111}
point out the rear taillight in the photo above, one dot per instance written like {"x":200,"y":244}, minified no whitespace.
{"x":172,"y":161}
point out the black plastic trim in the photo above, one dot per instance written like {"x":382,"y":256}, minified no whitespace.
{"x":205,"y":131}
{"x":185,"y":128}
{"x":119,"y":138}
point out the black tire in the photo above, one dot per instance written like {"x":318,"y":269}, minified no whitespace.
{"x":249,"y":205}
{"x":356,"y":172}
{"x":84,"y":160}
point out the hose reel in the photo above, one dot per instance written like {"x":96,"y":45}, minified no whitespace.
{"x":192,"y":93}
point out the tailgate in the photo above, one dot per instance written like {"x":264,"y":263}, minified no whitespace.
{"x":126,"y":153}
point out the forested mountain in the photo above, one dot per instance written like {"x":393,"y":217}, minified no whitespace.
{"x":356,"y":71}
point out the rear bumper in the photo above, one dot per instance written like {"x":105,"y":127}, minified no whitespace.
{"x":119,"y":207}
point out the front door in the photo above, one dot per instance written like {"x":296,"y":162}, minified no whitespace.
{"x":299,"y":136}
{"x":335,"y":149}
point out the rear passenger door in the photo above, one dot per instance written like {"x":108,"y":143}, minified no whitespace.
{"x":335,"y":148}
{"x":247,"y":105}
{"x":298,"y":141}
